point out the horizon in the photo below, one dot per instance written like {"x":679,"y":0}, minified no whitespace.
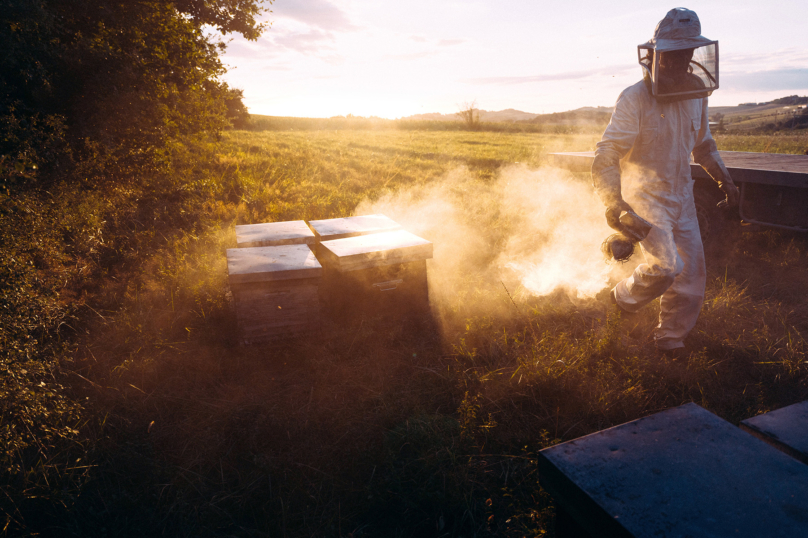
{"x":450,"y":114}
{"x":320,"y":59}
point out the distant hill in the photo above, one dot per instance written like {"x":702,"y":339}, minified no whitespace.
{"x":509,"y":115}
{"x":580,"y":115}
{"x":784,"y":113}
{"x":585,"y":115}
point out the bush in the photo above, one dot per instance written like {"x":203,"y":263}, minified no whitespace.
{"x":110,"y":84}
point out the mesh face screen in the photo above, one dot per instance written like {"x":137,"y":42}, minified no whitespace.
{"x":685,"y":73}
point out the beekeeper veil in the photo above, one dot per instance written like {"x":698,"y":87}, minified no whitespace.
{"x":678,"y":62}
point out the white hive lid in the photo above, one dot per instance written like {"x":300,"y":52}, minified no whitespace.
{"x":293,"y":232}
{"x":262,"y":264}
{"x":363,"y":251}
{"x":352,"y":226}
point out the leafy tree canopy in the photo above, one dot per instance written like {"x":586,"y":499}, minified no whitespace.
{"x":101,"y":86}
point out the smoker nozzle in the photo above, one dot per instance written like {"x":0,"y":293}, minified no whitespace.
{"x":634,"y":226}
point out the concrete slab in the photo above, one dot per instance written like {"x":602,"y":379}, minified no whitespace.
{"x":683,"y":472}
{"x":785,"y":429}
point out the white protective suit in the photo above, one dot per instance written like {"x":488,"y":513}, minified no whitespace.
{"x":644,"y":157}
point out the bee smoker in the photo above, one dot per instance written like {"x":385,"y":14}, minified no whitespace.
{"x":620,"y":246}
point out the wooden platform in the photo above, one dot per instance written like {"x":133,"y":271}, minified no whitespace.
{"x":763,"y":168}
{"x":785,"y":429}
{"x":681,"y":472}
{"x":294,"y":232}
{"x":325,"y":230}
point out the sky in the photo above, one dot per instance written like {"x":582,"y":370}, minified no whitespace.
{"x":323,"y":58}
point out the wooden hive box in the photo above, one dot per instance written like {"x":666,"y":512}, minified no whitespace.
{"x":326,"y":230}
{"x":267,"y":234}
{"x":275,"y":291}
{"x":382,"y":273}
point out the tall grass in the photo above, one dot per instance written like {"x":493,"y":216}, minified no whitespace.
{"x":339,"y":123}
{"x":775,"y":142}
{"x":410,"y":427}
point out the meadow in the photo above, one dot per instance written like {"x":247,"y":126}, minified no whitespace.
{"x":151,"y":419}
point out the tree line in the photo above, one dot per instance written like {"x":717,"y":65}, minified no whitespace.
{"x":94,"y":88}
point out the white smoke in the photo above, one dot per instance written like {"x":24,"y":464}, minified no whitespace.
{"x":536,"y":230}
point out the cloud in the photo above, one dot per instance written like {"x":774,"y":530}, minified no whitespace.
{"x":319,"y":13}
{"x":777,"y":79}
{"x":551,"y":77}
{"x":313,"y":41}
{"x":450,"y":42}
{"x":409,"y":56}
{"x":780,"y":59}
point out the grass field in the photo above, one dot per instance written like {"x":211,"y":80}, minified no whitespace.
{"x":378,"y":427}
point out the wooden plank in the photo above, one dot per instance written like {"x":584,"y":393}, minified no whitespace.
{"x":279,"y":330}
{"x":251,"y":322}
{"x":261,"y":264}
{"x":298,"y":318}
{"x":293,"y":232}
{"x":773,"y":162}
{"x":680,"y":472}
{"x":279,"y":296}
{"x":275,"y":307}
{"x":279,"y":333}
{"x":325,"y":230}
{"x":765,"y":168}
{"x":785,"y":429}
{"x":270,"y":313}
{"x":309,"y":318}
{"x":361,"y":252}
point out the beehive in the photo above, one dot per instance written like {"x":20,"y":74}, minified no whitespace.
{"x":381,"y":273}
{"x":326,"y":230}
{"x":267,"y":234}
{"x":275,"y":291}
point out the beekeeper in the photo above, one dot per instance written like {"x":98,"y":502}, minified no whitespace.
{"x":642,"y":164}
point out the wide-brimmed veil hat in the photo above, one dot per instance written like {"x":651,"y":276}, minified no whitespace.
{"x":680,"y":29}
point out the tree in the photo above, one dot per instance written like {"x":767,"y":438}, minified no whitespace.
{"x":719,"y":117}
{"x":469,"y":115}
{"x":110,"y":83}
{"x":237,"y":113}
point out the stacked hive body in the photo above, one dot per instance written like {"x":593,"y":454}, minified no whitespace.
{"x":363,"y":265}
{"x":275,"y":287}
{"x":369,"y":269}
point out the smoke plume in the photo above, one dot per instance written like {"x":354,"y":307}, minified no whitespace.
{"x":535,"y":231}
